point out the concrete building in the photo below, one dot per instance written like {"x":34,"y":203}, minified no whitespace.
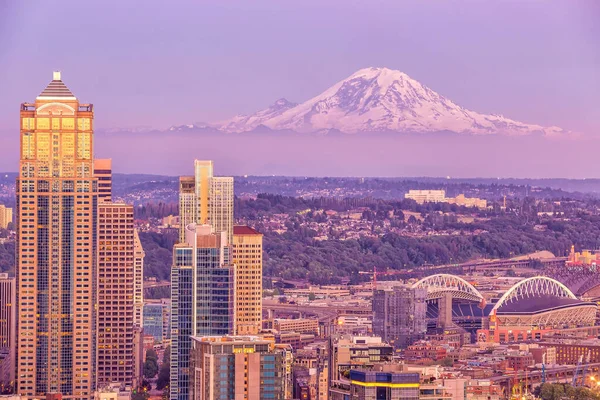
{"x":399,"y":314}
{"x":206,"y":199}
{"x":202,"y":298}
{"x":300,"y":325}
{"x":349,"y":352}
{"x":57,"y":196}
{"x":426,"y":196}
{"x":248,"y":259}
{"x":138,"y":280}
{"x":116,"y":237}
{"x":236,"y":367}
{"x":6,"y":216}
{"x":8,"y":325}
{"x":103,"y":172}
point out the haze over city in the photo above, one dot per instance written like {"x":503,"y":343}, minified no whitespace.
{"x":149,"y":68}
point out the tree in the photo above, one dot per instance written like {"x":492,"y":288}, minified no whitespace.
{"x":447,"y":362}
{"x":312,"y":296}
{"x":151,"y":364}
{"x":164,"y":374}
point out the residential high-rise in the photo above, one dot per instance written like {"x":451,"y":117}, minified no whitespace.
{"x":6,"y":216}
{"x":56,"y":246}
{"x":399,"y":314}
{"x":237,"y":367}
{"x":116,"y":237}
{"x":247,"y":257}
{"x":206,"y":199}
{"x":138,"y":280}
{"x":8,"y":324}
{"x":103,"y":172}
{"x":202,"y":297}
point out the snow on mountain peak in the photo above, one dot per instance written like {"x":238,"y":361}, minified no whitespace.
{"x":379,"y":99}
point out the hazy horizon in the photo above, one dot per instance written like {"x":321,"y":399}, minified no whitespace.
{"x":161,"y":65}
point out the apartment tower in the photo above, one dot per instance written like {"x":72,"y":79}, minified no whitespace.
{"x":116,"y":270}
{"x":206,"y":199}
{"x":56,"y":246}
{"x":248,"y":257}
{"x":202,"y":298}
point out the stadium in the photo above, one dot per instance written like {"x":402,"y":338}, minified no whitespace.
{"x":531,"y":309}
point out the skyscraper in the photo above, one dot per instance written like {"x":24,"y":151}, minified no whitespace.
{"x":56,"y":246}
{"x":116,"y":264}
{"x":237,"y":367}
{"x":247,"y":257}
{"x":8,"y":323}
{"x":206,"y":199}
{"x":399,"y":314}
{"x":103,"y":172}
{"x":202,"y":298}
{"x":138,"y":280}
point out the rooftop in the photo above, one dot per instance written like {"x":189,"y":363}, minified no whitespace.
{"x":56,"y":89}
{"x":245,"y":230}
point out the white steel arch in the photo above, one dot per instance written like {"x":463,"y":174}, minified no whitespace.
{"x":439,"y":284}
{"x":533,"y":287}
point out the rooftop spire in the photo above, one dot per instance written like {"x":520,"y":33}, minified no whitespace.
{"x":56,"y":89}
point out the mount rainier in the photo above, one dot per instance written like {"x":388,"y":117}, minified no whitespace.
{"x":379,"y":100}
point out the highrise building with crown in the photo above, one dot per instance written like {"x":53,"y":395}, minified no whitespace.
{"x":57,"y":202}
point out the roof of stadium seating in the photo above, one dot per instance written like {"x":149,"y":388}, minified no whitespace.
{"x":535,"y":305}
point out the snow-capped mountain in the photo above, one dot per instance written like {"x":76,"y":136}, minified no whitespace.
{"x":376,"y":100}
{"x":242,"y":123}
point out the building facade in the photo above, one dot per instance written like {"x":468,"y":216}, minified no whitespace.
{"x":138,"y":280}
{"x":157,"y":319}
{"x":399,"y":315}
{"x":206,"y":199}
{"x":375,"y":385}
{"x":248,"y":259}
{"x":8,"y":325}
{"x":115,"y":294}
{"x":237,"y":367}
{"x":6,"y":216}
{"x":57,"y":198}
{"x":202,"y":298}
{"x":103,"y":172}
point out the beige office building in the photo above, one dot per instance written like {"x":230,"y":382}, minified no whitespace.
{"x":116,"y":264}
{"x":56,"y":246}
{"x":248,"y":258}
{"x":138,"y":280}
{"x":6,"y":216}
{"x":206,"y":199}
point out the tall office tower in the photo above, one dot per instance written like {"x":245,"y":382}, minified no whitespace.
{"x":6,"y":216}
{"x":399,"y":315}
{"x":8,"y":325}
{"x":206,"y":199}
{"x":247,"y":257}
{"x":236,"y":367}
{"x":56,"y":246}
{"x":138,"y":280}
{"x":116,"y":237}
{"x":103,"y":172}
{"x":202,"y":298}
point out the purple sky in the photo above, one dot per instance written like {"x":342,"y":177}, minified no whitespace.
{"x":157,"y":63}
